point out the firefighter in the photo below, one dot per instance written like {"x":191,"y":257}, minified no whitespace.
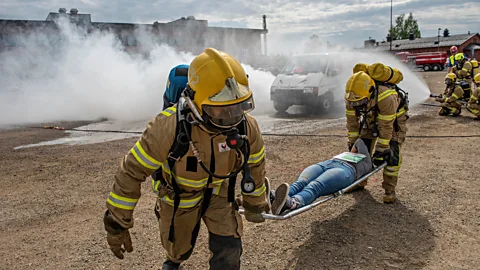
{"x":463,"y":69}
{"x":198,"y":181}
{"x":451,"y":59}
{"x":473,"y":105}
{"x":450,"y":98}
{"x":377,"y":113}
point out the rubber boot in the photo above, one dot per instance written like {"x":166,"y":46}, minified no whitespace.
{"x":443,"y":111}
{"x":169,"y":265}
{"x":226,"y":252}
{"x":457,"y":112}
{"x":389,"y":197}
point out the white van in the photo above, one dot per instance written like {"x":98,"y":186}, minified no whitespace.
{"x":310,"y":80}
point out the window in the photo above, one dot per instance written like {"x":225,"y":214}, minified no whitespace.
{"x":306,"y":64}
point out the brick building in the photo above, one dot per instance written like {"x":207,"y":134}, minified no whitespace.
{"x":185,"y":34}
{"x":466,"y":43}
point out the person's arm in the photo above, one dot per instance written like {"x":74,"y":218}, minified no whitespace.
{"x":146,"y":156}
{"x":387,"y":109}
{"x":353,"y":124}
{"x":255,"y":202}
{"x":457,"y":94}
{"x":474,"y":97}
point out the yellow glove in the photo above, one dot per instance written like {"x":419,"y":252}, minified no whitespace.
{"x":117,"y":236}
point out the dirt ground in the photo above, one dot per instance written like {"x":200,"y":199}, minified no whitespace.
{"x":53,"y":199}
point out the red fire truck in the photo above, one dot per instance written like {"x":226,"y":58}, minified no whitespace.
{"x":428,"y":61}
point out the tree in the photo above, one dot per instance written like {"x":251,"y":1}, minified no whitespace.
{"x":404,"y":27}
{"x":446,"y":33}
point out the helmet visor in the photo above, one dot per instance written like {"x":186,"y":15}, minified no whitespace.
{"x":228,"y":115}
{"x":231,"y":91}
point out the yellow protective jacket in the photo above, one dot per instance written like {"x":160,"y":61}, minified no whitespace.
{"x":465,"y":73}
{"x":453,"y":93}
{"x":472,"y":102}
{"x":151,"y":151}
{"x":390,"y":120}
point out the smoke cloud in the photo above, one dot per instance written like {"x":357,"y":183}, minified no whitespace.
{"x":80,"y":77}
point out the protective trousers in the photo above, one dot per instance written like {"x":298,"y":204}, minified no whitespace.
{"x":390,"y":172}
{"x":223,"y":223}
{"x":474,"y":109}
{"x":450,"y":108}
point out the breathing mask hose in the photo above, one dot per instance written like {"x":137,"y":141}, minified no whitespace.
{"x":233,"y":174}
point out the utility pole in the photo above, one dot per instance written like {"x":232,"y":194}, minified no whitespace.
{"x":265,"y":34}
{"x":438,"y":42}
{"x":391,"y":23}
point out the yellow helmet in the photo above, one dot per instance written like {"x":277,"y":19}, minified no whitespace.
{"x":459,"y":57}
{"x":360,"y":67}
{"x":220,"y":88}
{"x":451,"y":76}
{"x":477,"y":78}
{"x":358,"y":87}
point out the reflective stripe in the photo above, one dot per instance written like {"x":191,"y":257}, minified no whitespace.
{"x":216,"y":190}
{"x":455,"y":96}
{"x":391,"y":170}
{"x":121,"y":202}
{"x":194,"y":183}
{"x":143,"y":158}
{"x":257,"y":157}
{"x":350,"y":113}
{"x":390,"y":173}
{"x":257,"y":192}
{"x":389,"y":117}
{"x":387,"y":93}
{"x":184,"y":203}
{"x":352,"y":134}
{"x":383,"y":141}
{"x":169,"y":111}
{"x":400,"y":112}
{"x":473,"y":98}
{"x":155,"y":186}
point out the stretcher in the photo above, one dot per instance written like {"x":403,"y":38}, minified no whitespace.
{"x":322,"y":200}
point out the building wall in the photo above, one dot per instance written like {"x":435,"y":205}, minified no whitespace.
{"x":185,"y":34}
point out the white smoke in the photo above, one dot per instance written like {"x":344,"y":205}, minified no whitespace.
{"x":417,"y":89}
{"x":80,"y":77}
{"x":87,"y":77}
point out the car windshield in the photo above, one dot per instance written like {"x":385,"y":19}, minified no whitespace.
{"x":306,"y":64}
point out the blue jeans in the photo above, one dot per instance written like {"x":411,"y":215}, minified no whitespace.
{"x":321,"y":179}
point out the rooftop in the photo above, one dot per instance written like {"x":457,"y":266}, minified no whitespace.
{"x":427,"y":42}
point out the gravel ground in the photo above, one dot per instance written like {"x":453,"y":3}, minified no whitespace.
{"x":53,"y":198}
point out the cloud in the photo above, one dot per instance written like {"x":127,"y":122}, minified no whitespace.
{"x":348,"y":21}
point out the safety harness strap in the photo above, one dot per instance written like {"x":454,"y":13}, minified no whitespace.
{"x":232,"y":181}
{"x":179,"y":149}
{"x":206,"y":197}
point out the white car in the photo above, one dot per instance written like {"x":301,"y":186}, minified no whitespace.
{"x":310,"y":80}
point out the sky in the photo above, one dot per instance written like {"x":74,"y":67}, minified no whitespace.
{"x":290,"y":23}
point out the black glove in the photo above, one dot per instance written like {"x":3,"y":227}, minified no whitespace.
{"x":117,"y":236}
{"x":380,"y":157}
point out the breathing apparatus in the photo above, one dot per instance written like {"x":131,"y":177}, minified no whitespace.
{"x":234,"y":140}
{"x":362,"y":110}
